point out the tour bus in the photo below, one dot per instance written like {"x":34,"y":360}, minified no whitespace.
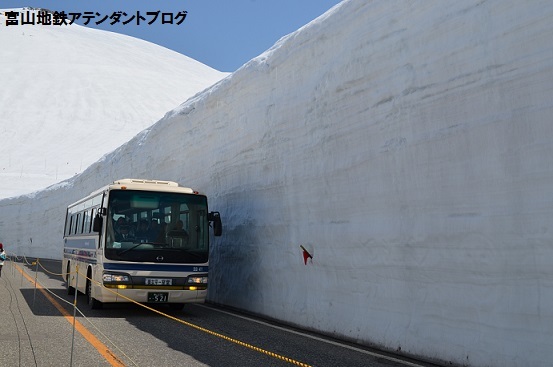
{"x":140,"y":240}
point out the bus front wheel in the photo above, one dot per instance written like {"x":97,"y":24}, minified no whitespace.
{"x":93,"y":303}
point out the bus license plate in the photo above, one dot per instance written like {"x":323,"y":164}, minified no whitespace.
{"x":159,"y":281}
{"x":158,"y":297}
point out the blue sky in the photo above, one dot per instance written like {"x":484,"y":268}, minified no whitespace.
{"x":223,"y":34}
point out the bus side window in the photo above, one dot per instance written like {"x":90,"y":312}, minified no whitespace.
{"x":92,"y":212}
{"x":70,"y":225}
{"x":85,"y":219}
{"x":77,"y":222}
{"x":67,"y":229}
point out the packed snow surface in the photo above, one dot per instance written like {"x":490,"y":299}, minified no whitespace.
{"x":71,"y":94}
{"x":406,"y":144}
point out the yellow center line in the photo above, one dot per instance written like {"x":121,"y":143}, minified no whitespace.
{"x":110,"y":357}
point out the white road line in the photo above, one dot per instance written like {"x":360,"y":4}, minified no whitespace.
{"x":373,"y":354}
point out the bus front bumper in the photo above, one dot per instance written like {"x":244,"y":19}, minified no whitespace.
{"x":115,"y":295}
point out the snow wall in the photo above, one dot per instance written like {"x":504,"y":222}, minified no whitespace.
{"x":407,"y":145}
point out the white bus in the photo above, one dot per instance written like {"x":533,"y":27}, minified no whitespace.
{"x":137,"y":239}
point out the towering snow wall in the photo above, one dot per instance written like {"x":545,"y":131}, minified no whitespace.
{"x":407,"y":145}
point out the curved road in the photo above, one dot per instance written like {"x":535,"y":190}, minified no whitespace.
{"x":37,"y":328}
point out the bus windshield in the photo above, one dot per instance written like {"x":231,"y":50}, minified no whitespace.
{"x":162,"y":227}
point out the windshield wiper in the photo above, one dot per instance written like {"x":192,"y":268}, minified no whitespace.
{"x":135,"y":246}
{"x":188,"y":251}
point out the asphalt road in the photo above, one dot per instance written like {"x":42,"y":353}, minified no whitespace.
{"x":37,"y":328}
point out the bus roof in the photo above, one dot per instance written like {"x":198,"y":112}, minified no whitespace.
{"x":148,"y":185}
{"x":141,"y":184}
{"x":133,"y":181}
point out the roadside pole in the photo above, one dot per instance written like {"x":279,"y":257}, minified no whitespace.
{"x":74,"y":309}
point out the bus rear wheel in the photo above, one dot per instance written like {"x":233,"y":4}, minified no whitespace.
{"x":70,"y":289}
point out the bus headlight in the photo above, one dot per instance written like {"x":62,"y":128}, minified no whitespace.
{"x":116,"y":278}
{"x":197,"y":279}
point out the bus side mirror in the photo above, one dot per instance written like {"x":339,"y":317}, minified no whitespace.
{"x":215,"y":217}
{"x":97,"y":223}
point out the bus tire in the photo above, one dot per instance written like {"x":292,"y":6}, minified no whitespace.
{"x":70,"y":289}
{"x":93,"y":303}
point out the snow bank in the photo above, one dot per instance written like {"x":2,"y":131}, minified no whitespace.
{"x":70,"y":94}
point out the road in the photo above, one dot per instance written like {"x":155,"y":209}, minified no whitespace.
{"x":37,"y":328}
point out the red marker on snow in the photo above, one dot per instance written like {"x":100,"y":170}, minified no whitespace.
{"x":306,"y":255}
